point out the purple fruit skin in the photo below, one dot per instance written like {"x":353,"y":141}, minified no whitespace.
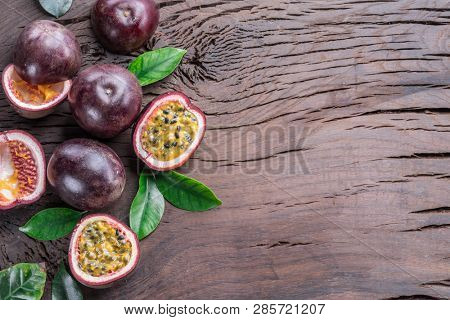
{"x":105,"y":100}
{"x":47,"y":52}
{"x":86,"y":174}
{"x":123,"y":26}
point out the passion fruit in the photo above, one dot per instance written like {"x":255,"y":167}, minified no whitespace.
{"x":86,"y":174}
{"x":46,"y":52}
{"x":123,"y":26}
{"x":32,"y":101}
{"x":102,"y":250}
{"x":169,"y":132}
{"x":105,"y":100}
{"x":22,"y":169}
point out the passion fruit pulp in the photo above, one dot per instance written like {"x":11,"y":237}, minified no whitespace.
{"x":46,"y":52}
{"x":32,"y":101}
{"x":169,"y":132}
{"x":22,"y":169}
{"x":123,"y":26}
{"x":102,"y":250}
{"x":86,"y":174}
{"x":105,"y":100}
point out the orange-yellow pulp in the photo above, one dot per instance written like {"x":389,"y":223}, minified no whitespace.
{"x":33,"y":94}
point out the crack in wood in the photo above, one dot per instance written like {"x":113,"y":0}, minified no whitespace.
{"x":414,"y":297}
{"x":433,"y":210}
{"x":281,"y":243}
{"x":428,"y":227}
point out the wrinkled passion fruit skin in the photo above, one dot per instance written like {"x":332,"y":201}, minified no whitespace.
{"x":105,"y":100}
{"x":46,"y":52}
{"x":86,"y":174}
{"x":123,"y":26}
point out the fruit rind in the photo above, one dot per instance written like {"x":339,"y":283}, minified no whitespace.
{"x":26,"y":110}
{"x":144,"y":155}
{"x":39,"y":156}
{"x":101,"y":281}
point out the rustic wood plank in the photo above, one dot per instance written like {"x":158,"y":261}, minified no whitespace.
{"x":328,"y":142}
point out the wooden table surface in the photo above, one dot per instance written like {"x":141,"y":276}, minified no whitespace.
{"x":328,"y":142}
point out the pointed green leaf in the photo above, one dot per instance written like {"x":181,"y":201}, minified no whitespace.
{"x":186,"y":193}
{"x":51,"y":224}
{"x":24,"y":281}
{"x":155,"y":65}
{"x":147,"y":208}
{"x":64,"y":287}
{"x":56,"y":8}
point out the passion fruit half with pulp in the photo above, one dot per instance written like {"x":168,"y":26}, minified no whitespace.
{"x":22,"y":169}
{"x":32,"y":101}
{"x":169,"y":132}
{"x":102,"y":250}
{"x":86,"y":174}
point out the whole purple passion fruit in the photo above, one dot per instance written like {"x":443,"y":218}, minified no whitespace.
{"x":169,"y":132}
{"x":105,"y":100}
{"x":86,"y":174}
{"x":102,"y":251}
{"x":46,"y":52}
{"x":123,"y":26}
{"x":22,"y":169}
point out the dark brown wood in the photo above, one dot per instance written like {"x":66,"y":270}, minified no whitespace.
{"x":349,"y":99}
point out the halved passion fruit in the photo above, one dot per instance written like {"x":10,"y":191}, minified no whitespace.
{"x":102,"y":250}
{"x":169,"y":132}
{"x":32,"y":101}
{"x":22,"y":169}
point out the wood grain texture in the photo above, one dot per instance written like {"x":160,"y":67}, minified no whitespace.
{"x":328,"y":141}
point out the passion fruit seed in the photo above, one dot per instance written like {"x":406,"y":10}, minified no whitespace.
{"x":170,"y":131}
{"x":19,"y":176}
{"x":103,"y":249}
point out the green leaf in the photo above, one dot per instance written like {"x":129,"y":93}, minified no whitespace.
{"x":152,"y":66}
{"x":24,"y":281}
{"x":51,"y":224}
{"x":186,"y":193}
{"x":56,"y":8}
{"x":64,"y":287}
{"x":147,"y":208}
